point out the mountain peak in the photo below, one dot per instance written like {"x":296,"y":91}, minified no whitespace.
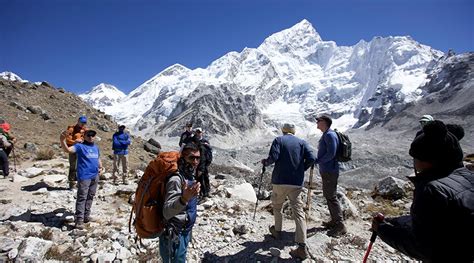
{"x":175,"y":69}
{"x":10,"y":76}
{"x":298,"y":37}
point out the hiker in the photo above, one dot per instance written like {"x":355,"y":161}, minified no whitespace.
{"x":292,"y":157}
{"x":75,"y":134}
{"x":180,"y":206}
{"x":88,"y":169}
{"x":4,"y":145}
{"x":187,"y":135}
{"x":423,"y":121}
{"x":205,"y":150}
{"x":441,"y":219}
{"x":5,"y":130}
{"x":329,"y":170}
{"x":120,"y":142}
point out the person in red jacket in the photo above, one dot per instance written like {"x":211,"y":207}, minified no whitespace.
{"x":75,"y":134}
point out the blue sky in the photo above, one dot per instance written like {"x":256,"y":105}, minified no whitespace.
{"x":77,"y":44}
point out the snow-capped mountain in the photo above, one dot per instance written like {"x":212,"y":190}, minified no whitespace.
{"x":293,"y":76}
{"x":10,"y":76}
{"x":103,"y":96}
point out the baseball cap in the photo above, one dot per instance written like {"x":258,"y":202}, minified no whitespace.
{"x":83,"y":119}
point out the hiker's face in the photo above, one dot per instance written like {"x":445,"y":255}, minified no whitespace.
{"x":421,"y":166}
{"x":193,"y":159}
{"x":321,"y":125}
{"x":89,"y":138}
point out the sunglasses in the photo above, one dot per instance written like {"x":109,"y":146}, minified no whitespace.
{"x":193,"y":158}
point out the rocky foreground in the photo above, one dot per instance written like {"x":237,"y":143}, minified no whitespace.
{"x":36,"y":222}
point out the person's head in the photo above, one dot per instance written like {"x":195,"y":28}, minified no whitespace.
{"x":121,"y":128}
{"x":191,"y":156}
{"x":188,"y":126}
{"x":89,"y":136}
{"x":436,"y":148}
{"x":82,"y":121}
{"x":323,"y":122}
{"x":288,"y":128}
{"x":198,"y":132}
{"x":425,"y":119}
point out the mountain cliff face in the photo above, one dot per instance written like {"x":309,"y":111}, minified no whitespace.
{"x":220,"y":110}
{"x":102,"y":96}
{"x":293,"y":76}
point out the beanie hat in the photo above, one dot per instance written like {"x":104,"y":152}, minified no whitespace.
{"x":436,"y":145}
{"x":288,"y":128}
{"x":456,"y":130}
{"x":426,"y":118}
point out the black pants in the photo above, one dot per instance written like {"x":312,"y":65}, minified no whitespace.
{"x":4,"y":163}
{"x":204,"y":181}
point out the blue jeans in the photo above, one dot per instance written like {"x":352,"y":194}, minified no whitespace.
{"x":178,"y":248}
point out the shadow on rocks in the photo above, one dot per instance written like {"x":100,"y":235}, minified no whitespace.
{"x":56,"y":218}
{"x":249,"y":253}
{"x":39,"y":185}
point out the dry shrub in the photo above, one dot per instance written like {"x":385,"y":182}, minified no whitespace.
{"x":45,"y":154}
{"x":385,"y":207}
{"x":45,"y":234}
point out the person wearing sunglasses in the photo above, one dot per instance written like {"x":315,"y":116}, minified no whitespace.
{"x":180,"y":206}
{"x":88,"y":169}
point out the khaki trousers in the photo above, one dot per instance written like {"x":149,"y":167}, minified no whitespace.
{"x":120,"y":158}
{"x":295,"y":195}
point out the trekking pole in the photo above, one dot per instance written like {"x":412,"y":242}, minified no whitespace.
{"x":310,"y":186}
{"x":379,"y":217}
{"x":258,"y":193}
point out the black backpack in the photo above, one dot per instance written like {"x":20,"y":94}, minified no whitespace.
{"x":344,"y":148}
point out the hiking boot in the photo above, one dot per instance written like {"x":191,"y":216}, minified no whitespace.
{"x":72,"y":185}
{"x":300,"y":253}
{"x":79,"y":225}
{"x":124,"y":181}
{"x":338,"y":230}
{"x":329,"y":224}
{"x":275,"y":234}
{"x":88,"y":219}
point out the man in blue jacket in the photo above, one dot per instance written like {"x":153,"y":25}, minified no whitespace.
{"x":292,"y":157}
{"x":120,"y":143}
{"x":329,"y":170}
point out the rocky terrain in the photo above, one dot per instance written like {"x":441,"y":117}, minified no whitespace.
{"x":36,"y":222}
{"x":36,"y":215}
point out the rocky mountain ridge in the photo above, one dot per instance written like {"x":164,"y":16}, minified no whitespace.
{"x":357,"y":85}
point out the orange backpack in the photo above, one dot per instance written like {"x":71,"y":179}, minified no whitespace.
{"x":150,"y":196}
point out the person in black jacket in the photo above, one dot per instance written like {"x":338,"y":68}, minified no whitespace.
{"x":186,"y":136}
{"x":441,"y":220}
{"x":206,"y":160}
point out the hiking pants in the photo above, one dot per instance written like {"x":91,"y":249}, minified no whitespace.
{"x":330,"y":193}
{"x":295,"y":195}
{"x":72,"y":176}
{"x":178,"y":247}
{"x":120,"y":158}
{"x":203,"y":179}
{"x":4,"y":162}
{"x":85,"y":194}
